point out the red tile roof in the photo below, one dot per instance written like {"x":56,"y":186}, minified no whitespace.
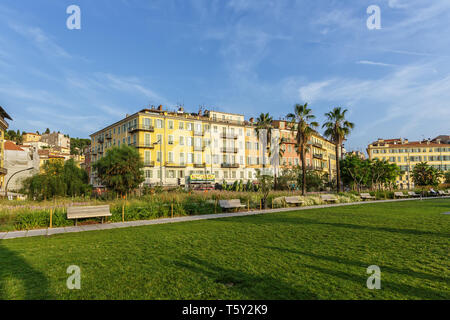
{"x":9,"y":145}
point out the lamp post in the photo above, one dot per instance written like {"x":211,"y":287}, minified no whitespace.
{"x":7,"y":182}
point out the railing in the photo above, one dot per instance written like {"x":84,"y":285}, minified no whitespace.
{"x":101,"y":140}
{"x":149,"y":163}
{"x":228,"y":136}
{"x":143,"y":145}
{"x":318,"y":156}
{"x":141,"y":127}
{"x":175,"y":165}
{"x":230,"y":165}
{"x":229,"y":150}
{"x":108,"y":136}
{"x":199,"y":165}
{"x":199,"y":133}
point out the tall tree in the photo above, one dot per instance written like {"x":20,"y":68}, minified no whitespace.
{"x":337,"y":129}
{"x":302,"y":124}
{"x":120,"y":169}
{"x":264,"y":125}
{"x":426,"y":175}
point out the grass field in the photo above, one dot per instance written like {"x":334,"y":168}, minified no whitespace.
{"x":312,"y":254}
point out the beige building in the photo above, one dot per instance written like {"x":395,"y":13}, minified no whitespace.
{"x":406,"y":154}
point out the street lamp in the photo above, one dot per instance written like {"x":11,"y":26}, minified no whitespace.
{"x":7,"y":182}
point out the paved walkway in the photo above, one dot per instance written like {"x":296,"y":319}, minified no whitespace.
{"x":94,"y":227}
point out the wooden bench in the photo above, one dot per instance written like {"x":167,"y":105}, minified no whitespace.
{"x":413,"y":194}
{"x":328,"y":198}
{"x":400,"y":195}
{"x":293,"y":200}
{"x":367,"y":196}
{"x":88,"y":212}
{"x":442,"y":193}
{"x":231,"y":204}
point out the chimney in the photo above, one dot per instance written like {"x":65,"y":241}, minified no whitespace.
{"x":160,"y":107}
{"x":438,"y":141}
{"x":127,"y":115}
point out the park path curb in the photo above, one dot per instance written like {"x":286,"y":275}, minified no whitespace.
{"x":115,"y":225}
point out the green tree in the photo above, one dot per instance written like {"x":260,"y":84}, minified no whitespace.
{"x":120,"y":169}
{"x":57,"y":179}
{"x":425,"y":175}
{"x":447,"y":177}
{"x":355,"y":171}
{"x":302,"y":124}
{"x":77,"y":145}
{"x":265,"y":182}
{"x":337,"y":129}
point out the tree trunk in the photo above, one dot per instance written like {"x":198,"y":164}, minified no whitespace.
{"x":338,"y":173}
{"x":302,"y":156}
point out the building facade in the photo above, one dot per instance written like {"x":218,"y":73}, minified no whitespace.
{"x":175,"y":145}
{"x":406,"y":154}
{"x":3,"y":127}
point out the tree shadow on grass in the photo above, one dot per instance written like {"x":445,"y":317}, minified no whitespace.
{"x":402,"y":288}
{"x":250,"y":286}
{"x":14,"y":267}
{"x":298,"y":220}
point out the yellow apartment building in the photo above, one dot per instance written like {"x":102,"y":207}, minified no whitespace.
{"x":406,"y":154}
{"x":3,"y":127}
{"x":30,"y":137}
{"x":175,"y":144}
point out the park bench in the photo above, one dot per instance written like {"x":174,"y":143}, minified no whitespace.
{"x":231,"y":204}
{"x":88,"y":212}
{"x":442,"y":193}
{"x":293,"y":200}
{"x":400,"y":195}
{"x":328,"y":198}
{"x":367,"y":196}
{"x":413,"y":194}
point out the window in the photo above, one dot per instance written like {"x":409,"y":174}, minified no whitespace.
{"x":181,"y":125}
{"x":159,"y":138}
{"x":171,"y":174}
{"x":170,"y":124}
{"x":190,"y":158}
{"x":182,"y":158}
{"x":249,"y":175}
{"x":170,"y":139}
{"x":147,"y":140}
{"x":148,"y":174}
{"x":189,"y":126}
{"x":147,"y":157}
{"x":158,"y":156}
{"x":159,"y":123}
{"x":170,"y":157}
{"x":181,"y":141}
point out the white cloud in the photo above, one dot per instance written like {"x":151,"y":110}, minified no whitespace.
{"x":373,"y":63}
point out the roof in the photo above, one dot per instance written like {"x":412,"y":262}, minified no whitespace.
{"x":9,"y":145}
{"x":421,"y":144}
{"x":4,"y":114}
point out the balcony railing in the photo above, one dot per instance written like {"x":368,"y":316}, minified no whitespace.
{"x":175,"y":165}
{"x":229,"y":150}
{"x":149,"y":163}
{"x":199,"y":165}
{"x":143,"y":145}
{"x":318,"y":156}
{"x":141,"y":127}
{"x":230,"y":165}
{"x":101,"y":140}
{"x":228,"y":135}
{"x":199,"y":133}
{"x":108,"y":136}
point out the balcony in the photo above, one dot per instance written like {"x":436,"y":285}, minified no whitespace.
{"x":141,"y":127}
{"x":318,"y":156}
{"x":229,"y":150}
{"x":199,"y":148}
{"x":288,"y":141}
{"x":108,"y":136}
{"x":3,"y":172}
{"x":228,"y":136}
{"x":199,"y":133}
{"x":143,"y":145}
{"x":230,"y":165}
{"x":171,"y":164}
{"x":316,"y":144}
{"x":200,"y":165}
{"x":101,"y":140}
{"x":149,"y":163}
{"x":94,"y":152}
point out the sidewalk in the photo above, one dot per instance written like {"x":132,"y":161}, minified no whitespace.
{"x":94,"y":227}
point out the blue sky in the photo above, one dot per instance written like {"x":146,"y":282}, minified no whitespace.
{"x":240,"y":56}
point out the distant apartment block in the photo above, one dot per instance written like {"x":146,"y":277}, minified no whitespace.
{"x":406,"y":154}
{"x":175,"y":145}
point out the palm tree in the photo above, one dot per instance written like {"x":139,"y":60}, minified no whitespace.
{"x":337,"y":129}
{"x":302,"y":125}
{"x":264,"y":124}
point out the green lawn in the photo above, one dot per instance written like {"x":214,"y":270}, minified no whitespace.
{"x":312,"y":254}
